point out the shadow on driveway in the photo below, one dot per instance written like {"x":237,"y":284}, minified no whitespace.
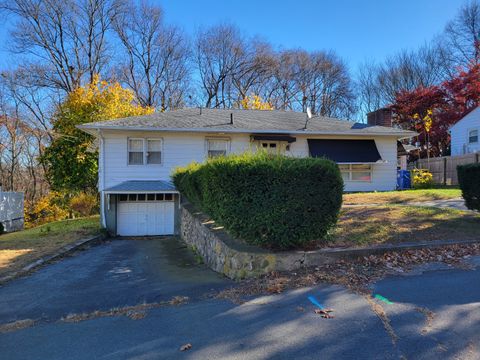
{"x":118,"y":273}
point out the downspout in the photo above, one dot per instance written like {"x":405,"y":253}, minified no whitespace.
{"x":101,"y":179}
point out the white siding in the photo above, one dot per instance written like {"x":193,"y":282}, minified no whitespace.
{"x":181,"y":149}
{"x":178,"y":150}
{"x":459,"y":133}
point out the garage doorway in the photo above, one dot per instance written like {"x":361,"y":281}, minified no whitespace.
{"x":145,"y":214}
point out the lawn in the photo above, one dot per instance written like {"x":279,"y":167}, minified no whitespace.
{"x":20,"y":248}
{"x":372,"y":225}
{"x":399,"y":197}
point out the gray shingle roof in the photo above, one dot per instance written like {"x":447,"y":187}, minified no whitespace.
{"x":263,"y":121}
{"x":142,"y":186}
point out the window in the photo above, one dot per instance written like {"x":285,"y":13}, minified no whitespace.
{"x":217,"y":147}
{"x":144,"y":151}
{"x":135,"y":151}
{"x":473,"y":136}
{"x":154,"y":151}
{"x":274,"y":147}
{"x":146,"y":197}
{"x":356,"y":172}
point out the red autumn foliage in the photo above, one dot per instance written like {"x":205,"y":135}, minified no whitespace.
{"x":449,"y":102}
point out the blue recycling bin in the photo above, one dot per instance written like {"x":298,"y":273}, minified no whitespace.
{"x":403,"y":180}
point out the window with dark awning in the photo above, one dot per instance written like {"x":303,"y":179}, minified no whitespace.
{"x":345,"y":151}
{"x":273,"y":137}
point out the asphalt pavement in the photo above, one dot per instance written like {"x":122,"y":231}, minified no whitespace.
{"x":431,"y":312}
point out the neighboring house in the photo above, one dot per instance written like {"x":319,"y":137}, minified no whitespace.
{"x":11,"y":210}
{"x":138,"y":155}
{"x":465,"y":134}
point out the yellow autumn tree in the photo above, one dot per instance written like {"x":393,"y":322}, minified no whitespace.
{"x":71,"y":165}
{"x":255,"y":102}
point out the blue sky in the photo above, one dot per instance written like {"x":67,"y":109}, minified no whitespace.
{"x":357,"y":30}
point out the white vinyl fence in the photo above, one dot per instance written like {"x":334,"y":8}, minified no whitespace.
{"x":11,"y":210}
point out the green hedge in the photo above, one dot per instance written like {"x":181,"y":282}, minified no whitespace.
{"x":469,"y":181}
{"x":276,"y":202}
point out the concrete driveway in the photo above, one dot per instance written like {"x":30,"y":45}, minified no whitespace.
{"x":434,"y":312}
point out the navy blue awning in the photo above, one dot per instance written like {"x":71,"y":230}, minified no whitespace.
{"x":345,"y":151}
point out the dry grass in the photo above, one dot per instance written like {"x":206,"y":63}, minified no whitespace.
{"x":399,"y":197}
{"x":135,"y":312}
{"x":23,"y":247}
{"x":16,"y":325}
{"x":394,"y":224}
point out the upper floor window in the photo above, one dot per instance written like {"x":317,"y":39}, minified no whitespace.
{"x":217,"y":147}
{"x":473,"y":136}
{"x":135,"y":151}
{"x":144,"y":151}
{"x":356,"y":172}
{"x":154,"y":151}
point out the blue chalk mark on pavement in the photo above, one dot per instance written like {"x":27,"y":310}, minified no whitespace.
{"x":315,"y":302}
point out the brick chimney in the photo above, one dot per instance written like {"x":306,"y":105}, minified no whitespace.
{"x":380,"y":117}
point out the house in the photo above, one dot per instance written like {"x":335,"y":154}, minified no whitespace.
{"x":137,"y":156}
{"x":11,"y":210}
{"x":465,"y":134}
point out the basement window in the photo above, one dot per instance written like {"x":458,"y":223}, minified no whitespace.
{"x":356,"y":172}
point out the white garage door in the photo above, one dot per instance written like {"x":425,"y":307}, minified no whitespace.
{"x":138,"y":216}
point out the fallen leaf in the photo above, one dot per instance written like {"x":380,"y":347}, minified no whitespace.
{"x":186,"y":347}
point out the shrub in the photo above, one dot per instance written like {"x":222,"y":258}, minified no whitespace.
{"x":273,"y":201}
{"x":84,"y":204}
{"x":49,"y":208}
{"x":2,"y":228}
{"x":469,"y":181}
{"x":422,"y":179}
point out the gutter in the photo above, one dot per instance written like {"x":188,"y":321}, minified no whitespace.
{"x":91,"y":130}
{"x":102,"y":199}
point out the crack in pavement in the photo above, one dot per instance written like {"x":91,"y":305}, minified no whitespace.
{"x":134,"y":312}
{"x":382,"y":315}
{"x":429,"y":316}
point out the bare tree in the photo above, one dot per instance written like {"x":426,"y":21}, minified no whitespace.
{"x":463,"y":34}
{"x":228,"y":65}
{"x":318,"y":80}
{"x":66,"y":39}
{"x":378,"y":84}
{"x":330,"y":90}
{"x":157,"y":56}
{"x":283,"y":84}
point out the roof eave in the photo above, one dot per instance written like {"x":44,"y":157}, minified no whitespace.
{"x":93,"y":130}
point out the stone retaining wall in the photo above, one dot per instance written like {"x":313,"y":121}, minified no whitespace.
{"x":233,"y":258}
{"x":237,"y":260}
